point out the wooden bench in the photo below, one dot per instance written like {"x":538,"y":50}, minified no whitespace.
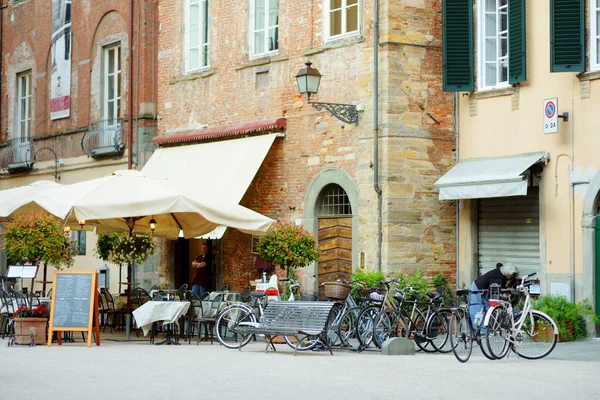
{"x":291,"y":318}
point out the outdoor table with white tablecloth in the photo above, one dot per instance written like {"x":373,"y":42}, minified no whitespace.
{"x":154,"y":311}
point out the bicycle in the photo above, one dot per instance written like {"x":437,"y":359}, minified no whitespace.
{"x":366,"y":319}
{"x":463,"y":331}
{"x":530,"y":333}
{"x":419,"y":318}
{"x":249,"y":314}
{"x":342,"y":325}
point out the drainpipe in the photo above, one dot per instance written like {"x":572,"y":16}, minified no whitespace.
{"x":130,"y":91}
{"x":376,"y":132}
{"x":572,"y":199}
{"x":457,"y":201}
{"x":129,"y":152}
{"x":2,"y":7}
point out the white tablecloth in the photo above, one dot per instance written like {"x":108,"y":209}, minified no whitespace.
{"x":154,"y":311}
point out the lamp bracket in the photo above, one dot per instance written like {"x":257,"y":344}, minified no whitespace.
{"x":56,"y":176}
{"x":347,"y":113}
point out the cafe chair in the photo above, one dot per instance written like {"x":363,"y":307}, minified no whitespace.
{"x":6,"y":314}
{"x":206,"y":315}
{"x":116,"y":317}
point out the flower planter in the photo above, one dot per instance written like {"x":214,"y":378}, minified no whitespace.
{"x":35,"y":326}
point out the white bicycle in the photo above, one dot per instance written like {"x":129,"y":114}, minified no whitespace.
{"x":530,"y":333}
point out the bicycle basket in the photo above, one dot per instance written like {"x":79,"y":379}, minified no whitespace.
{"x":494,"y":292}
{"x":336,"y":290}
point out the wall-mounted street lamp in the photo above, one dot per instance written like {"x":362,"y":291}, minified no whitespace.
{"x":308,"y":80}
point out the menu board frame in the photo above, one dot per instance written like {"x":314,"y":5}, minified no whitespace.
{"x":92,"y":325}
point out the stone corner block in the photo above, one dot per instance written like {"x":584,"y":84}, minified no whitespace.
{"x":398,"y":346}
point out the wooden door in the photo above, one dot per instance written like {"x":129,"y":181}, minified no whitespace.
{"x":335,"y":242}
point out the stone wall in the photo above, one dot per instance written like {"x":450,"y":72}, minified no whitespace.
{"x":416,"y":121}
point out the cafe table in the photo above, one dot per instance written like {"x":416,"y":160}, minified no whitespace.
{"x":167,"y":312}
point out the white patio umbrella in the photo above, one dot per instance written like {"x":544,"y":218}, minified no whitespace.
{"x":22,"y":199}
{"x":128,"y":199}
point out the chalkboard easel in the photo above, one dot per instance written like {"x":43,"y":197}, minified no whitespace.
{"x":74,"y":305}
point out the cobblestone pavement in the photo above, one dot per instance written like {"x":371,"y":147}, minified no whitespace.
{"x":138,"y":370}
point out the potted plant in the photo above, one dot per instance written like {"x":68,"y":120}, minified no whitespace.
{"x":123,"y":248}
{"x":30,"y":321}
{"x":38,"y":238}
{"x":288,"y":246}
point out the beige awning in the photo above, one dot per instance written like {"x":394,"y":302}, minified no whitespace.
{"x":224,"y":169}
{"x":488,"y":177}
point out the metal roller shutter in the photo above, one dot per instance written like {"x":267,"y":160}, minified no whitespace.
{"x":509,"y":231}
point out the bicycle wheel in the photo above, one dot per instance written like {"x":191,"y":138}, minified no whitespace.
{"x":388,"y":324}
{"x":307,"y":342}
{"x":335,"y":319}
{"x":483,"y":346}
{"x":364,"y":325}
{"x":420,"y":334}
{"x":227,"y":321}
{"x":461,"y":337}
{"x":347,"y":326}
{"x":497,"y":335}
{"x":437,"y":330}
{"x":536,"y":338}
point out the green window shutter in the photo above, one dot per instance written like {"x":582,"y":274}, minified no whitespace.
{"x":567,"y":26}
{"x":517,"y":62}
{"x":457,"y":45}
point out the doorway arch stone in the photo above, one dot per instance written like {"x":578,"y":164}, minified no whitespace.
{"x":588,"y":223}
{"x":327,"y":176}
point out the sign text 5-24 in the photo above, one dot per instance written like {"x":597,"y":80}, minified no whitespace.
{"x":551,"y":116}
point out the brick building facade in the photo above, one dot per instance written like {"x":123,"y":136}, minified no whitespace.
{"x":75,"y":56}
{"x":224,"y":64}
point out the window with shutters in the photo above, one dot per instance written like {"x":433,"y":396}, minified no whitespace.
{"x":78,"y":242}
{"x":23,"y":127}
{"x":196,"y":35}
{"x":341,"y":18}
{"x":567,"y":35}
{"x":595,"y":34}
{"x":493,"y":44}
{"x":112,"y":84}
{"x":264,"y":23}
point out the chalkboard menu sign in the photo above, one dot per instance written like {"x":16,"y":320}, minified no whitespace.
{"x":74,"y":304}
{"x":72,"y":300}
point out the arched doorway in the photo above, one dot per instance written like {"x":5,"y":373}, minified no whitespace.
{"x":334,"y":234}
{"x":329,"y":181}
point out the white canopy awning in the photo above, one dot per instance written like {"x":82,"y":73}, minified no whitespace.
{"x":488,"y":177}
{"x":223,"y":169}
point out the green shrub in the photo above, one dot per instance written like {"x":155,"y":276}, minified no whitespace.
{"x":38,"y":238}
{"x":565,"y":314}
{"x":288,"y":245}
{"x":369,"y":279}
{"x":417,"y":281}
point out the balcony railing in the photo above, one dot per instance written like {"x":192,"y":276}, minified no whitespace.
{"x":104,"y":138}
{"x":17,"y":155}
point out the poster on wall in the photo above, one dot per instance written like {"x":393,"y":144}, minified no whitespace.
{"x":60,"y":78}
